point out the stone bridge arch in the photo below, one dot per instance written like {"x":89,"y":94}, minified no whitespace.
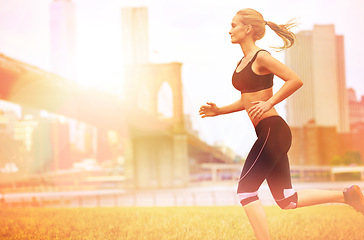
{"x":153,"y":76}
{"x":156,"y":159}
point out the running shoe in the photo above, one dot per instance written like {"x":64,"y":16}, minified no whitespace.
{"x":354,"y":197}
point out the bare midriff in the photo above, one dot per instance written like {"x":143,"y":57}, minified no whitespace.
{"x":262,"y":95}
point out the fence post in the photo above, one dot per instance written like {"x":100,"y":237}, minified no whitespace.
{"x":98,"y":200}
{"x":175,"y":199}
{"x":332,"y":176}
{"x":236,"y":202}
{"x":134,"y":199}
{"x":80,"y":201}
{"x":2,"y":200}
{"x":115,"y":200}
{"x":193,"y":199}
{"x":154,"y":199}
{"x":213,"y":198}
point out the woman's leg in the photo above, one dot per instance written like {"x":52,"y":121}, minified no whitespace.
{"x":258,"y":165}
{"x":279,"y":182}
{"x":312,"y":197}
{"x":352,"y":196}
{"x":257,"y":219}
{"x":253,"y":174}
{"x":274,"y":139}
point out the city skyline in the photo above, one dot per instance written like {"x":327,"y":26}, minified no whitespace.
{"x":319,"y":61}
{"x":193,"y":33}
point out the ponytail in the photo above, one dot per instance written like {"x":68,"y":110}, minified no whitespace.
{"x":283,"y":31}
{"x":256,"y":20}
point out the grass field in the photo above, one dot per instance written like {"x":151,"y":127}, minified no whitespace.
{"x":159,"y":223}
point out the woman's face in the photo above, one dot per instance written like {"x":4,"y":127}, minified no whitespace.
{"x":238,"y":30}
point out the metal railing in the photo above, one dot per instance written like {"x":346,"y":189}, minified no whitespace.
{"x":127,"y":199}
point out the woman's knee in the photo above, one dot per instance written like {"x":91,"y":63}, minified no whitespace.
{"x":289,"y":201}
{"x":247,"y":197}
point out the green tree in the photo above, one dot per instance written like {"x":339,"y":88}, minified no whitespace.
{"x":351,"y":157}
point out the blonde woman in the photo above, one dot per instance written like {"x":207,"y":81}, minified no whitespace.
{"x":268,"y":160}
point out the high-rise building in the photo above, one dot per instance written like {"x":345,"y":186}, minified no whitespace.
{"x":135,"y":35}
{"x":318,"y":58}
{"x":62,"y":15}
{"x":51,"y":146}
{"x":356,"y":108}
{"x":23,"y":131}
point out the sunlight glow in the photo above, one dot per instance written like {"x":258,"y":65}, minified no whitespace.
{"x":144,"y":99}
{"x":165,"y":101}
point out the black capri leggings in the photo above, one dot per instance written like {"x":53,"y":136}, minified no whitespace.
{"x":268,"y":160}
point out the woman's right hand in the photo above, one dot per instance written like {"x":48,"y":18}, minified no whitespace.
{"x":209,"y":110}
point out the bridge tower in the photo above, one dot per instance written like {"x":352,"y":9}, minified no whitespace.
{"x":63,"y":37}
{"x":157,"y":158}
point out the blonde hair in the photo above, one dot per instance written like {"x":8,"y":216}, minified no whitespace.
{"x":252,"y":17}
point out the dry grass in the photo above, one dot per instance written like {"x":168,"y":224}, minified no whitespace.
{"x":198,"y":223}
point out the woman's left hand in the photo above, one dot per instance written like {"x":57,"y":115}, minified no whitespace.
{"x":259,"y":108}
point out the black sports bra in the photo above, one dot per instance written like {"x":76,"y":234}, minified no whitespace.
{"x":248,"y":81}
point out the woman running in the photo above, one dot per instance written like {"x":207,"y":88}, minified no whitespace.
{"x":267,"y":160}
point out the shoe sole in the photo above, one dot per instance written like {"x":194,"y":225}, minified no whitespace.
{"x":356,"y":194}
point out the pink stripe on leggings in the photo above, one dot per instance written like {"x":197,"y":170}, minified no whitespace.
{"x":242,"y":196}
{"x":257,"y":156}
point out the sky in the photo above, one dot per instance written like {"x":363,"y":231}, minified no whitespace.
{"x":193,"y":32}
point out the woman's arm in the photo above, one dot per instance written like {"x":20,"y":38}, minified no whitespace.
{"x":211,"y":110}
{"x":292,"y":82}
